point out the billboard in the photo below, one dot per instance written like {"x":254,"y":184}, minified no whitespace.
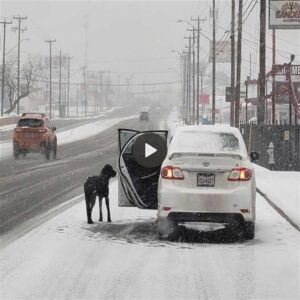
{"x":284,"y":14}
{"x":223,"y":52}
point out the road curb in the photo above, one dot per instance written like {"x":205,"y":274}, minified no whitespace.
{"x":278,"y":209}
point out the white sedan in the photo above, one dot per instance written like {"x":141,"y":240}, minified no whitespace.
{"x":207,"y":176}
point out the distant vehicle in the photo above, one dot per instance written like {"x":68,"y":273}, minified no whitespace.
{"x":144,"y":116}
{"x":34,"y":133}
{"x":207,"y":176}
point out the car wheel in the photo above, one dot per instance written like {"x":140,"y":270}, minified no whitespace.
{"x":54,"y":149}
{"x":16,"y":152}
{"x":167,"y":229}
{"x":249,"y":230}
{"x":47,"y":151}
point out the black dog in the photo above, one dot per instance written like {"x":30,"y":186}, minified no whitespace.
{"x":98,"y":186}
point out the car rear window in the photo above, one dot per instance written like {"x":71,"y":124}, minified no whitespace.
{"x":30,"y":123}
{"x":207,"y":142}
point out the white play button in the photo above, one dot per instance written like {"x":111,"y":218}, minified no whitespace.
{"x":149,"y":150}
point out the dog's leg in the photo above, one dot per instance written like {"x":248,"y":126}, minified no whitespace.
{"x":100,"y":208}
{"x":108,"y":210}
{"x":88,"y":207}
{"x":92,"y":204}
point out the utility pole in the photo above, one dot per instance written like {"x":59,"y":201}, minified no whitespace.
{"x":77,"y":99}
{"x":198,"y":62}
{"x":214,"y":65}
{"x":68,"y":86}
{"x":273,"y":75}
{"x":238,"y":67}
{"x":189,"y":73}
{"x":19,"y":44}
{"x":193,"y":77}
{"x":262,"y":65}
{"x":84,"y":85}
{"x":232,"y":100}
{"x":100,"y":88}
{"x":50,"y":83}
{"x":59,"y":91}
{"x":3,"y":64}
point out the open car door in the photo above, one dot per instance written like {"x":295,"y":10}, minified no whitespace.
{"x":140,"y":157}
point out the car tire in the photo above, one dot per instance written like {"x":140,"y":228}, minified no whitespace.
{"x":54,"y":149}
{"x":16,"y":151}
{"x":167,"y":230}
{"x":47,"y":151}
{"x":249,"y":230}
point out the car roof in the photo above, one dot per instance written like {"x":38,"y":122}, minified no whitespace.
{"x":176,"y":145}
{"x":209,"y":128}
{"x":33,"y":116}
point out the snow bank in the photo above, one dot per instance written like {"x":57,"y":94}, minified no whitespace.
{"x":282,"y":188}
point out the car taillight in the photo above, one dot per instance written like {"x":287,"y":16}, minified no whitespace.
{"x":170,"y":172}
{"x":17,"y":130}
{"x":240,"y":174}
{"x":42,"y":130}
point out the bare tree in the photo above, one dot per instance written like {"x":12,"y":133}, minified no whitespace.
{"x":30,"y":79}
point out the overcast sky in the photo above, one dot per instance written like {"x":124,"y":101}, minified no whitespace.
{"x":133,"y":36}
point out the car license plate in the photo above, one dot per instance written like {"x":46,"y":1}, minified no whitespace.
{"x":28,"y":135}
{"x":206,"y":179}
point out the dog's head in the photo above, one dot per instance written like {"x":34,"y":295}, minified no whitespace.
{"x":108,"y":171}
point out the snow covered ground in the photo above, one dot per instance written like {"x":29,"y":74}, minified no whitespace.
{"x":74,"y":134}
{"x":66,"y":258}
{"x":283,"y":189}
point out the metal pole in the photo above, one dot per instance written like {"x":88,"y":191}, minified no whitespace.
{"x":59,"y":90}
{"x":50,"y":83}
{"x":232,"y":101}
{"x":68,"y":88}
{"x":77,"y":100}
{"x":202,"y":107}
{"x":194,"y":98}
{"x":198,"y":68}
{"x":238,"y":66}
{"x":214,"y":65}
{"x":273,"y":76}
{"x":262,"y":64}
{"x":189,"y":82}
{"x":19,"y":46}
{"x":248,"y":78}
{"x":3,"y":65}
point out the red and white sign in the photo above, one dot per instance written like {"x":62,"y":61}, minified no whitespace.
{"x":204,"y":99}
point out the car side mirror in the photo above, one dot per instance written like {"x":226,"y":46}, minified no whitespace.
{"x":254,"y":156}
{"x":54,"y":128}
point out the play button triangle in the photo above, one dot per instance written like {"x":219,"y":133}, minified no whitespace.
{"x":149,"y":150}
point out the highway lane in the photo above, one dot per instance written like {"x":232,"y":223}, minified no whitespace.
{"x":64,"y":124}
{"x":31,"y":186}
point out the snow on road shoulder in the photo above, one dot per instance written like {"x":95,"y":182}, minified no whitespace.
{"x":282,"y":188}
{"x":74,"y":134}
{"x":66,"y":258}
{"x":88,"y":130}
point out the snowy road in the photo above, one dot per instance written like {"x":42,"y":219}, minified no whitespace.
{"x":66,"y":258}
